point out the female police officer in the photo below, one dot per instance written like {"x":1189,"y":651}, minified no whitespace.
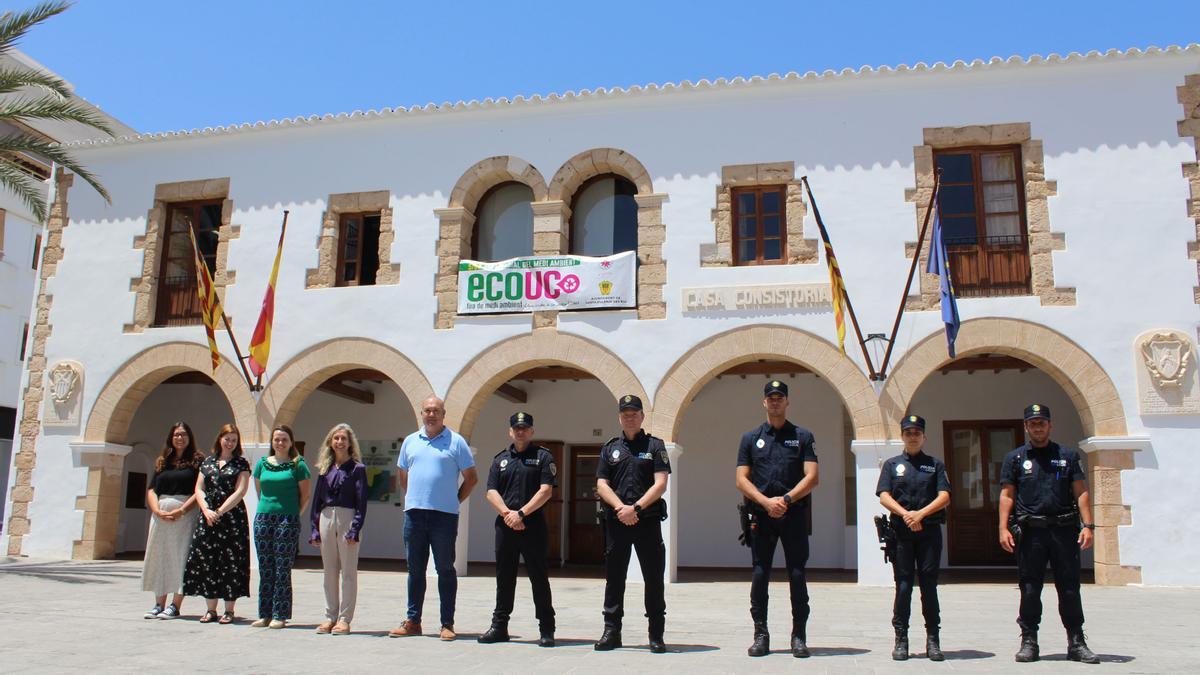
{"x":914,"y":487}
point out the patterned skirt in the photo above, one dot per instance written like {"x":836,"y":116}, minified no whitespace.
{"x":218,"y":564}
{"x":167,"y":548}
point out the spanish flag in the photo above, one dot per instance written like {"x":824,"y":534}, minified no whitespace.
{"x":260,"y":344}
{"x":210,"y":304}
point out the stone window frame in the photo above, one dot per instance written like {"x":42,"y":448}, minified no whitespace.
{"x":325,"y":273}
{"x":800,"y":251}
{"x":1188,"y":95}
{"x":145,"y":286}
{"x":1042,"y":242}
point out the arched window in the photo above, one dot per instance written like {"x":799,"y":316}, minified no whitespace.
{"x":604,"y":217}
{"x":504,"y":224}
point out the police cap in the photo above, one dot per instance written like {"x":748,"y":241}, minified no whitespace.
{"x":912,"y":422}
{"x":775,"y":387}
{"x":521,"y":419}
{"x":1037,"y":410}
{"x":629,"y":402}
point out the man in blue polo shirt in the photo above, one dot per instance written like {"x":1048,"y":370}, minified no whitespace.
{"x":430,"y":462}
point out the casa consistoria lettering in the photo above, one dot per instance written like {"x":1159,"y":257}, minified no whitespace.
{"x":772,"y":296}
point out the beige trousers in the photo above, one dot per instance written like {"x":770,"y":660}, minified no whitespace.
{"x":339,"y":556}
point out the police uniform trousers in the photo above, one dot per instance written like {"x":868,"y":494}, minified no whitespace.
{"x":619,"y":540}
{"x":792,"y":532}
{"x":920,"y":552}
{"x":532,"y":545}
{"x":1060,"y":547}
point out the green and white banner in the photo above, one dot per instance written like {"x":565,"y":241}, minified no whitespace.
{"x":547,"y":283}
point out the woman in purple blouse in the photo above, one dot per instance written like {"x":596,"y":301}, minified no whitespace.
{"x":338,"y":510}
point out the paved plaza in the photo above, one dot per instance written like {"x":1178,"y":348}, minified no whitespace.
{"x":65,"y":616}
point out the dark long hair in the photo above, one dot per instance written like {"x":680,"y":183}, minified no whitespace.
{"x":293,"y":453}
{"x":191,"y":454}
{"x":227,"y":429}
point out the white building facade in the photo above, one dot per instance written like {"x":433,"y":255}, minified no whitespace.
{"x":1070,"y":190}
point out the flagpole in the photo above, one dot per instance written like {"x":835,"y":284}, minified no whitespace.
{"x":887,"y":357}
{"x":237,"y":350}
{"x":846,"y":295}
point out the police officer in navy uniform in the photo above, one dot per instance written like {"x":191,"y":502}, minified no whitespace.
{"x":520,"y":483}
{"x":631,"y":480}
{"x":1044,"y":491}
{"x":776,"y":471}
{"x":914,"y":487}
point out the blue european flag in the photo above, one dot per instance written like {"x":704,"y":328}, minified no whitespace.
{"x":939,"y":264}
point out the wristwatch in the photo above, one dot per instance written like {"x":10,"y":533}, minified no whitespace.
{"x":787,"y":499}
{"x":637,"y":508}
{"x":521,"y":513}
{"x":1090,"y":526}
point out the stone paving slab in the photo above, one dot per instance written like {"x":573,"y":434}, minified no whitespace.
{"x":67,"y":616}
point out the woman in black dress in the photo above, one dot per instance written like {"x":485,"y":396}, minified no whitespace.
{"x":218,"y":565}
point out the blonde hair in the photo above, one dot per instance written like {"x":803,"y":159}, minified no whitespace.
{"x":326,"y":459}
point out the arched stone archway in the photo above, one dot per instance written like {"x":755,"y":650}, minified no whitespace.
{"x":1092,"y":392}
{"x":597,"y":161}
{"x":488,"y":173}
{"x":500,"y":362}
{"x":114,"y":408}
{"x":705,"y":361}
{"x":105,"y":441}
{"x":287,"y":391}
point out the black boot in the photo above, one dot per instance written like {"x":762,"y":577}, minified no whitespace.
{"x":799,"y":643}
{"x":658,"y":625}
{"x":1077,"y":649}
{"x":610,"y":640}
{"x":1029,"y":651}
{"x":933,"y":646}
{"x":546,"y":638}
{"x":900,"y":651}
{"x":762,"y":640}
{"x":497,"y":633}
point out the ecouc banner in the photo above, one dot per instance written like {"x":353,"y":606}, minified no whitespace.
{"x":536,"y":283}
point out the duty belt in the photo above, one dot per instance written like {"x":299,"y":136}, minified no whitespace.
{"x":1060,"y":520}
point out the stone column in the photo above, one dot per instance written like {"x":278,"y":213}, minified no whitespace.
{"x":869,"y":455}
{"x":549,"y":238}
{"x":652,"y":267}
{"x":462,"y":543}
{"x":454,"y":243}
{"x":1107,"y":456}
{"x":671,"y":536}
{"x":101,"y":505}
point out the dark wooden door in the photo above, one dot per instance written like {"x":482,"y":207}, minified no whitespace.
{"x":554,"y":507}
{"x":975,"y":450}
{"x":585,"y":541}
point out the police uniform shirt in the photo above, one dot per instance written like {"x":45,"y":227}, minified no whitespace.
{"x":914,"y":482}
{"x":1043,"y":478}
{"x":629,"y":465}
{"x":517,"y":476}
{"x":776,"y":457}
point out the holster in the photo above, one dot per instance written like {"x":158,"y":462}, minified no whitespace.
{"x":887,"y":537}
{"x":746,"y":523}
{"x":1014,"y":526}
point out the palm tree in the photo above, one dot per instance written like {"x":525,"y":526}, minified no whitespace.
{"x":27,"y":95}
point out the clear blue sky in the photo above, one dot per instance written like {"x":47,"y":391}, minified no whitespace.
{"x":165,"y":64}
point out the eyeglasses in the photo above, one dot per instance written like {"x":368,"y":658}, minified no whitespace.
{"x":180,"y":434}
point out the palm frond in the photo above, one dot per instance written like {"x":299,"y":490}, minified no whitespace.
{"x":14,"y":26}
{"x":14,"y":79}
{"x":47,"y":108}
{"x":54,"y":152}
{"x":24,"y":187}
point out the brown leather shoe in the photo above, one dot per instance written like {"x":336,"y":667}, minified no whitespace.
{"x":447,"y":634}
{"x":342,"y":628}
{"x":324,"y":628}
{"x":409,"y":627}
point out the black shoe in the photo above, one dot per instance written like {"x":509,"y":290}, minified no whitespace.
{"x":495,"y":634}
{"x":933,"y":647}
{"x":799,"y":648}
{"x":1077,"y":649}
{"x":900,"y":651}
{"x":610,"y":640}
{"x":546,"y":639}
{"x":657,"y":646}
{"x":1029,"y":651}
{"x":762,"y":641}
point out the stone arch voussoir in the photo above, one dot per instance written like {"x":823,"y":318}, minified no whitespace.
{"x":595,"y":162}
{"x":717,"y":354}
{"x":290,"y":388}
{"x":129,"y":386}
{"x":499,"y":363}
{"x":490,"y":172}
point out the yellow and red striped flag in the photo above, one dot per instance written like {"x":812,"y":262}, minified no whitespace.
{"x":260,"y":344}
{"x":837,"y":288}
{"x":210,"y":304}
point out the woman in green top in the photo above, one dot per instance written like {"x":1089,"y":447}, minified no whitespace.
{"x":282,"y":482}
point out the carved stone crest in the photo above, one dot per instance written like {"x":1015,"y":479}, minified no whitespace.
{"x":1166,"y":373}
{"x":64,"y":388}
{"x":1167,"y":357}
